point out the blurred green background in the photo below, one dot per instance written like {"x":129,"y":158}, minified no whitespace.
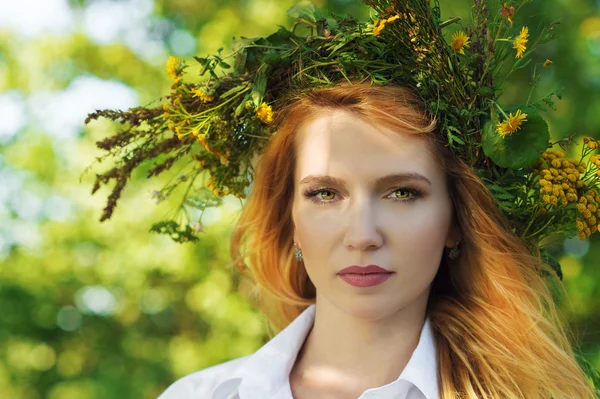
{"x":109,"y":310}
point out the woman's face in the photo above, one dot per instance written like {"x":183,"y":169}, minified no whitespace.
{"x":401,"y":224}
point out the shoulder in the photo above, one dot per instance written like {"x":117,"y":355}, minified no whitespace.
{"x":201,"y":384}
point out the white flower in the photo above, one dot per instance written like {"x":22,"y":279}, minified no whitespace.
{"x":196,"y":227}
{"x":158,"y":196}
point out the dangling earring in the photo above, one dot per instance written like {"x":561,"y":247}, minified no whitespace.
{"x":454,"y":252}
{"x":297,"y":253}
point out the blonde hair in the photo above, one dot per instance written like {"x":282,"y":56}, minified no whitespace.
{"x":498,"y":331}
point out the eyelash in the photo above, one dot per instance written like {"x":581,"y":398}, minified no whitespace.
{"x":311,"y":194}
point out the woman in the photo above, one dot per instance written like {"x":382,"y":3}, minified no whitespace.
{"x":357,"y":175}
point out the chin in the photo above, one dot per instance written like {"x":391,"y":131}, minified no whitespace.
{"x":370,"y":307}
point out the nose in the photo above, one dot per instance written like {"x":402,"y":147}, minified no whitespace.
{"x":362,"y":232}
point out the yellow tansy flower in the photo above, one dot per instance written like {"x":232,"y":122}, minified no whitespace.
{"x":547,"y":63}
{"x":512,"y":124}
{"x":265,"y":113}
{"x":201,"y":94}
{"x":173,"y":67}
{"x":459,"y":41}
{"x":521,"y":41}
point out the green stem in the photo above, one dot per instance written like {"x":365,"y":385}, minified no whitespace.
{"x":487,"y":65}
{"x":501,"y":111}
{"x":536,"y":79}
{"x":314,"y":66}
{"x":195,"y":116}
{"x":187,"y":191}
{"x":540,"y":230}
{"x":450,"y":22}
{"x":528,"y":226}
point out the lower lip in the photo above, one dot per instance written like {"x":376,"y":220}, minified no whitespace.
{"x":365,"y":280}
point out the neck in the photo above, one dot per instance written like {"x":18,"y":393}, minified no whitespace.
{"x":354,"y":353}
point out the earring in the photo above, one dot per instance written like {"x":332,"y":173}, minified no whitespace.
{"x":297,"y":253}
{"x":454,"y":252}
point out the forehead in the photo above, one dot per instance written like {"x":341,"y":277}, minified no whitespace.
{"x":342,"y":144}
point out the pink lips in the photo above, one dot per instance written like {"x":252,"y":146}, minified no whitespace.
{"x":364,"y":276}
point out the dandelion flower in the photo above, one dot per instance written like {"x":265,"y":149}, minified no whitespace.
{"x":459,"y":41}
{"x":378,"y":27}
{"x":521,"y":41}
{"x":173,"y":67}
{"x":507,"y":12}
{"x":265,"y":113}
{"x":202,"y":95}
{"x":512,"y":124}
{"x":380,"y":24}
{"x":547,"y":63}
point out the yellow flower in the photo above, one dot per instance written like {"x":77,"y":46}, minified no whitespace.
{"x":512,"y":124}
{"x":521,"y":41}
{"x":265,"y":113}
{"x":459,"y":41}
{"x":547,"y":63}
{"x":378,"y":27}
{"x":507,"y":12}
{"x":380,"y":24}
{"x":201,"y":94}
{"x":173,"y":68}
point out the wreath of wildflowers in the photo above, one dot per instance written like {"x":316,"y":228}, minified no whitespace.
{"x":214,"y":126}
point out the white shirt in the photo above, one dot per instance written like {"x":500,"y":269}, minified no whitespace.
{"x":265,"y":374}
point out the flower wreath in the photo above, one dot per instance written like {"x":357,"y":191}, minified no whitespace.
{"x":220,"y":124}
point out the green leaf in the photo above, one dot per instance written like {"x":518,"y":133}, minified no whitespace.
{"x":224,"y":65}
{"x":259,"y":86}
{"x":233,"y":91}
{"x":172,"y":229}
{"x":521,"y":65}
{"x":551,"y":260}
{"x":240,"y":53}
{"x":550,"y":103}
{"x":280,"y":38}
{"x":521,"y":149}
{"x":239,"y":61}
{"x":242,"y":105}
{"x":304,"y":9}
{"x":205,"y":66}
{"x":452,"y":138}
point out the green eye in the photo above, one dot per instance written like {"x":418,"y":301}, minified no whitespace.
{"x":324,"y":196}
{"x":325,"y":191}
{"x":402,"y":190}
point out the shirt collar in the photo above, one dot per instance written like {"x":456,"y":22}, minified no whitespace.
{"x":267,"y":370}
{"x":422,"y":367}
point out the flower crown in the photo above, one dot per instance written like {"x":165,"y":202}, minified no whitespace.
{"x":218,"y":125}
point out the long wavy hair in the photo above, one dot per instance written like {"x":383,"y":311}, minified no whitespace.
{"x":498,"y":331}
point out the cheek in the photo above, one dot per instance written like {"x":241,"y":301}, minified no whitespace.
{"x":428,"y":225}
{"x":313,"y":222}
{"x":419,"y":243}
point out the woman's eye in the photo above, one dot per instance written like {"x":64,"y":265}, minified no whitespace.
{"x":327,"y":197}
{"x":324,"y":196}
{"x":402,"y":191}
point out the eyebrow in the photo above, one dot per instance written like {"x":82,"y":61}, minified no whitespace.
{"x":382,"y":181}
